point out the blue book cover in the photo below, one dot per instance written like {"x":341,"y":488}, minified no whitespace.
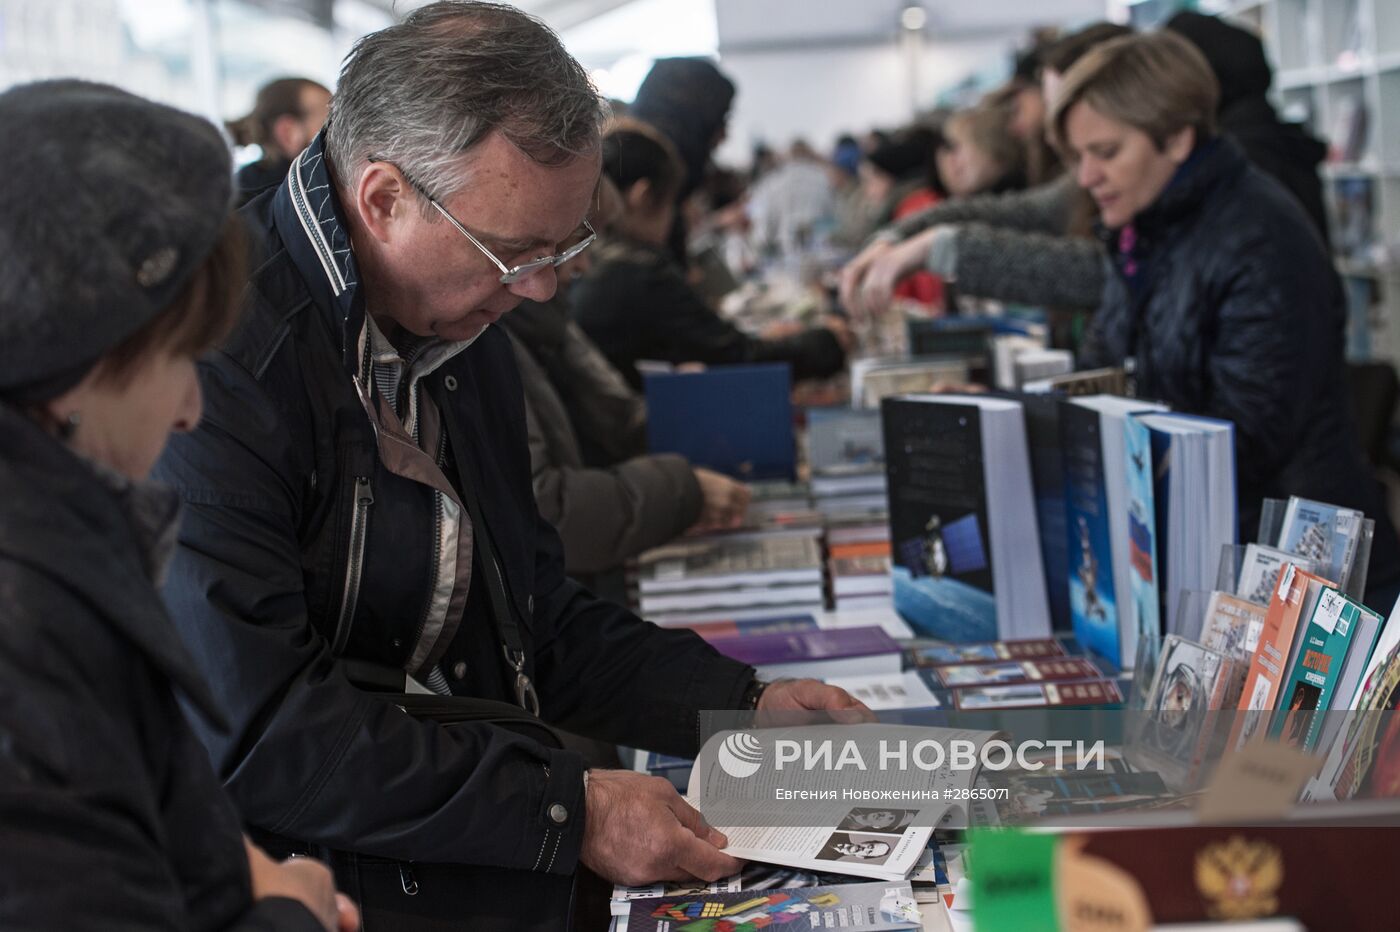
{"x":733,"y":419}
{"x":1142,"y":532}
{"x":942,"y":574}
{"x":1093,"y":606}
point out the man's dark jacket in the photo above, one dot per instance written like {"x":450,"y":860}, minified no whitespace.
{"x":1234,"y":312}
{"x":110,"y":815}
{"x":286,"y":487}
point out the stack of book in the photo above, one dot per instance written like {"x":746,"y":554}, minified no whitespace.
{"x":860,"y":574}
{"x":846,"y":459}
{"x":726,"y":576}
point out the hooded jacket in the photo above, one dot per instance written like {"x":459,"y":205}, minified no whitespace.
{"x":1285,"y":151}
{"x":110,"y":815}
{"x":688,"y":99}
{"x":1233,"y":311}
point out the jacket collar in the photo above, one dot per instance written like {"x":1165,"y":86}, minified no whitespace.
{"x":311,"y":226}
{"x":1215,"y":162}
{"x":101,"y":537}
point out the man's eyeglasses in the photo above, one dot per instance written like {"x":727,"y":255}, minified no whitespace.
{"x":510,"y":274}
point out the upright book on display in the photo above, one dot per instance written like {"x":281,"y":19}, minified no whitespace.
{"x":1097,"y":509}
{"x":1317,"y":668}
{"x":966,"y":559}
{"x":1186,"y":511}
{"x":693,"y":414}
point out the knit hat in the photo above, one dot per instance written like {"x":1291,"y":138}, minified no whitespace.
{"x":112,"y":203}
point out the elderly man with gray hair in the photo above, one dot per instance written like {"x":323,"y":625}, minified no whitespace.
{"x":359,"y":508}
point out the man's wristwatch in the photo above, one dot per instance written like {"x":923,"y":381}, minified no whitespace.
{"x":753,"y":694}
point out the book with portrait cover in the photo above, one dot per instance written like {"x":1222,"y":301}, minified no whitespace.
{"x":1191,"y":681}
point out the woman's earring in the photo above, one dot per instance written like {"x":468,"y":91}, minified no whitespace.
{"x":69,"y":427}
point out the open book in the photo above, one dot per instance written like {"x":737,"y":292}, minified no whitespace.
{"x":834,"y":798}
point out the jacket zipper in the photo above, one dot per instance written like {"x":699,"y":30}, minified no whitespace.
{"x":407,"y":879}
{"x":433,"y":580}
{"x":438,"y":518}
{"x":364,"y":497}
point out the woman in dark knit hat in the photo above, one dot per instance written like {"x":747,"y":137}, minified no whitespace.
{"x":119,"y":264}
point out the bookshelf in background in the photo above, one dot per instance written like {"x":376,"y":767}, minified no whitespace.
{"x":1335,"y":63}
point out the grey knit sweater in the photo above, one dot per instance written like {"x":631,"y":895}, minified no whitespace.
{"x":1012,"y":247}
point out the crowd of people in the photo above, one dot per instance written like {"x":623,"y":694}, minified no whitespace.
{"x":305,"y":468}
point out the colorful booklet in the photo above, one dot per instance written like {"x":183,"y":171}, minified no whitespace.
{"x":1316,"y":669}
{"x":1259,"y":574}
{"x":1326,"y":534}
{"x":1232,"y":627}
{"x":1294,"y":597}
{"x":873,"y":907}
{"x":821,"y":653}
{"x":1358,"y":748}
{"x":750,"y":627}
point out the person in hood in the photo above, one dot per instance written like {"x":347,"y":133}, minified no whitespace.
{"x":1286,"y":151}
{"x":688,"y":101}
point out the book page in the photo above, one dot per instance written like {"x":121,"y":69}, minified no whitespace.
{"x":829,"y":798}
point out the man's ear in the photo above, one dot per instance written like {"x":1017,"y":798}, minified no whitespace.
{"x":384,"y":199}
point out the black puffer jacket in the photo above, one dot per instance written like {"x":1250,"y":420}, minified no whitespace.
{"x":110,"y":814}
{"x":1235,"y":312}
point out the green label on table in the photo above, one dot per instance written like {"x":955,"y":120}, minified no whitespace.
{"x":1013,"y":881}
